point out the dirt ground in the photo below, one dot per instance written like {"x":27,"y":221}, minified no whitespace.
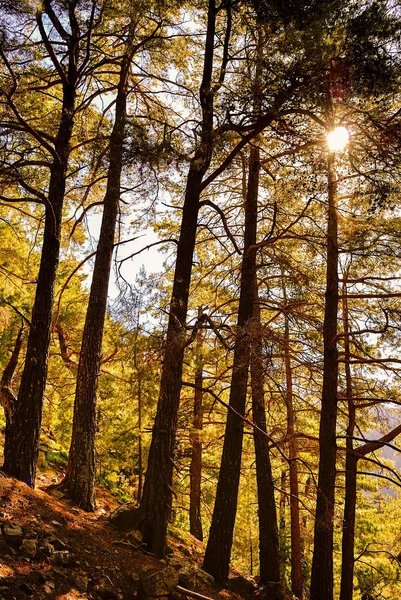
{"x":78,"y":555}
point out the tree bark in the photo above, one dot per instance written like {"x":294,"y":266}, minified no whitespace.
{"x":269,"y":546}
{"x":152,"y":515}
{"x":195,"y":521}
{"x":140,"y":460}
{"x":322,"y":564}
{"x":81,"y":469}
{"x":351,"y":464}
{"x":351,"y":460}
{"x":296,"y":553}
{"x":22,"y":443}
{"x":218,"y":549}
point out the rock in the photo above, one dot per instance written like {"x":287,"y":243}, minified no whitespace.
{"x":13,"y":534}
{"x":242,"y":586}
{"x":47,"y":589}
{"x":29,"y":547}
{"x":47,"y":549}
{"x":61,"y":557}
{"x":81,"y":582}
{"x":160,"y":583}
{"x":178,"y":563}
{"x":187,"y":578}
{"x":124,"y":517}
{"x":31,"y":534}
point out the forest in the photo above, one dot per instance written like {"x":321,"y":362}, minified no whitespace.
{"x":200,"y":299}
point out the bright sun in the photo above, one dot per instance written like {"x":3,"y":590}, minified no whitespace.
{"x":338,"y":139}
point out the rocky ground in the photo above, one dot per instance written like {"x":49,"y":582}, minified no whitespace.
{"x":51,"y":550}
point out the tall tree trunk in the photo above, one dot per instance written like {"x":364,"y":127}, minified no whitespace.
{"x":269,"y":546}
{"x":81,"y":469}
{"x":283,"y":500}
{"x":351,"y":460}
{"x":296,"y":554}
{"x":22,"y":443}
{"x":195,"y":521}
{"x":322,"y":564}
{"x":152,"y":515}
{"x":140,"y":460}
{"x":218,"y":550}
{"x":347,"y":570}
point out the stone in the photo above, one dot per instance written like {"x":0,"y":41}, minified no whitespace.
{"x":81,"y":582}
{"x":242,"y":586}
{"x":13,"y":534}
{"x":61,"y":557}
{"x":47,"y":549}
{"x":29,"y":547}
{"x":177,"y":563}
{"x":160,"y":583}
{"x":31,"y":535}
{"x":187,"y":578}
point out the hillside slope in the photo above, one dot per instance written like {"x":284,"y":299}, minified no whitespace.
{"x":51,"y":550}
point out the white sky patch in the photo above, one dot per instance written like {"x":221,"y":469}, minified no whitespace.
{"x":151,"y":259}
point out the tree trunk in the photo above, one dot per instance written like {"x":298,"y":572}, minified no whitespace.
{"x":351,"y":460}
{"x":283,"y":500}
{"x":269,"y":546}
{"x":296,"y":553}
{"x":22,"y":443}
{"x":195,"y":521}
{"x":218,"y":550}
{"x":152,"y":515}
{"x":81,"y":469}
{"x":140,"y":460}
{"x":322,"y":564}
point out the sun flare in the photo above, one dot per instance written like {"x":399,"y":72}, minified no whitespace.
{"x":338,"y":139}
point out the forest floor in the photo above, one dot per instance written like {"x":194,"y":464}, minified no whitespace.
{"x":51,"y":550}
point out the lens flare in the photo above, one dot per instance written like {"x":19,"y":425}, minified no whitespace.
{"x":338,"y":139}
